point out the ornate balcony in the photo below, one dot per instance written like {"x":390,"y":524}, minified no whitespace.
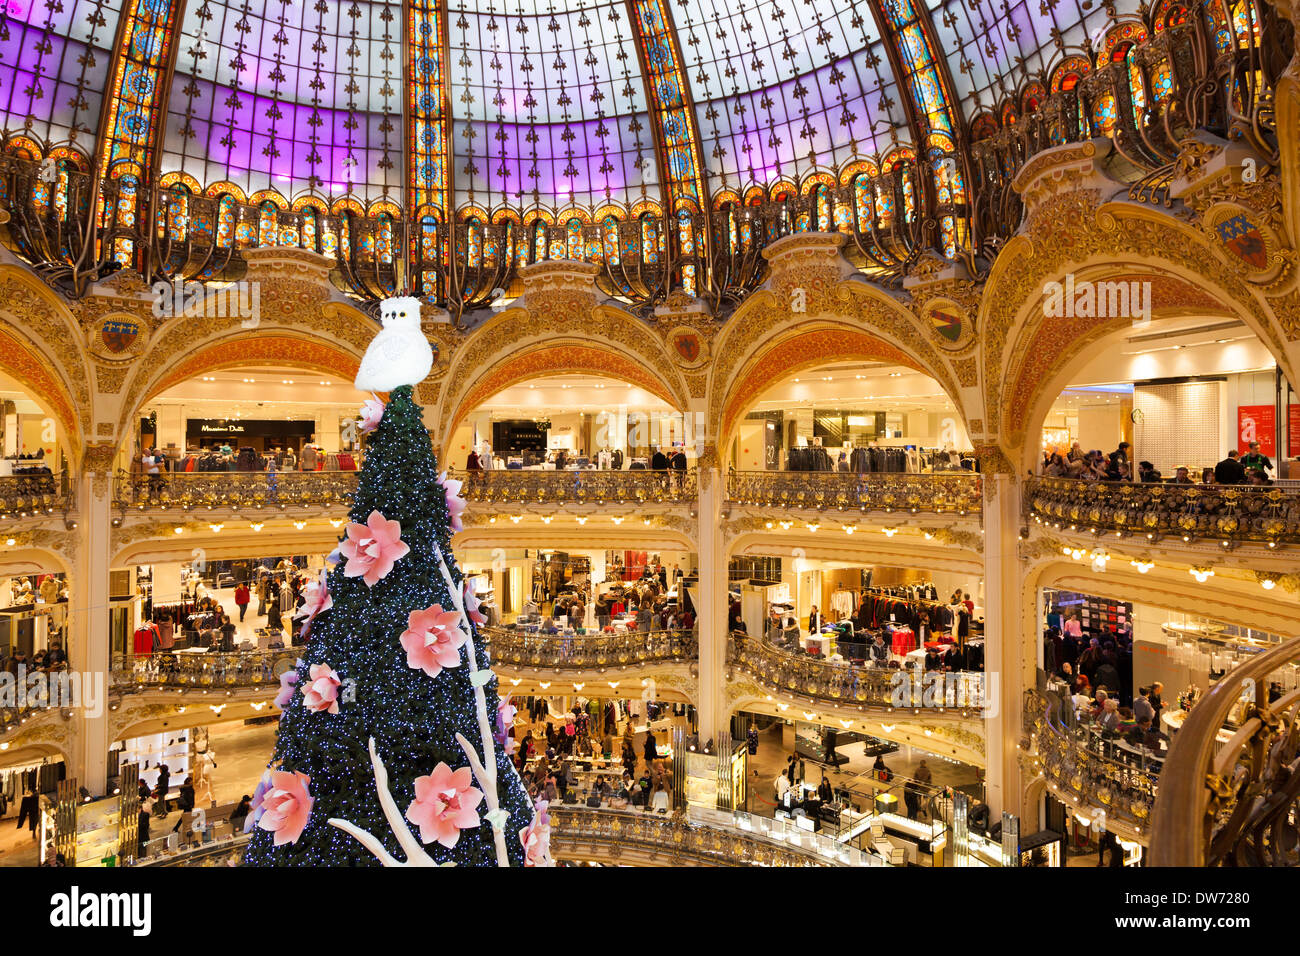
{"x":950,"y":494}
{"x":587,"y":487}
{"x":182,"y":671}
{"x":512,"y":647}
{"x":649,"y":839}
{"x":33,"y":496}
{"x":1087,"y":771}
{"x":1233,"y":802}
{"x":845,"y":683}
{"x":234,"y":491}
{"x":1260,"y":514}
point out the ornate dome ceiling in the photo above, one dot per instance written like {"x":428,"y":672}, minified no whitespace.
{"x":525,"y":104}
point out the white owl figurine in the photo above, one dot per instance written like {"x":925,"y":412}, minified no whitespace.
{"x":399,"y":354}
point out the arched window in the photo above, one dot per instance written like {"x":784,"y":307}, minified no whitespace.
{"x":863,"y":203}
{"x":429,"y":257}
{"x":539,"y":240}
{"x":384,"y":239}
{"x":267,"y":234}
{"x":227,"y":214}
{"x":686,"y":240}
{"x":474,"y":240}
{"x":822,"y":198}
{"x":573,"y":240}
{"x":609,"y":232}
{"x":651,"y":240}
{"x":308,"y":227}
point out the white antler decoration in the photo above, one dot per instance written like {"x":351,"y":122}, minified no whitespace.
{"x":415,"y":854}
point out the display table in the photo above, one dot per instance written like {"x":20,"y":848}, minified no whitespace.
{"x":822,"y":642}
{"x":903,"y":641}
{"x":1173,"y":722}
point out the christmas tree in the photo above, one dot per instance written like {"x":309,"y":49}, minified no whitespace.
{"x":393,"y":744}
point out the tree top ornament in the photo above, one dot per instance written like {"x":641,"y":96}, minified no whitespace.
{"x":399,"y":354}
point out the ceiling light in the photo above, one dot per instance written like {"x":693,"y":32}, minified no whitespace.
{"x":1142,"y":566}
{"x":178,"y":529}
{"x":256,"y":526}
{"x":216,"y":528}
{"x":300,"y":525}
{"x":335,"y":522}
{"x":515,"y":519}
{"x":582,"y":519}
{"x":1201,"y":574}
{"x":1268,"y":582}
{"x":889,"y":532}
{"x":547,"y":519}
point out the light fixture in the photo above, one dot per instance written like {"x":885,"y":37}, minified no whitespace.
{"x":1267,"y":581}
{"x":889,"y":532}
{"x":547,"y":519}
{"x":1201,"y":574}
{"x":582,"y":519}
{"x":1142,"y":566}
{"x":617,"y":520}
{"x":178,"y":529}
{"x":929,"y":535}
{"x":813,"y":526}
{"x":578,"y":687}
{"x":786,"y":525}
{"x":216,"y":528}
{"x":335,"y":522}
{"x":544,"y":685}
{"x":256,"y":525}
{"x":887,"y":728}
{"x":515,"y":519}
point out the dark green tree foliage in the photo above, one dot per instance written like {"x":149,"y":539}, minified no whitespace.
{"x":413,"y":718}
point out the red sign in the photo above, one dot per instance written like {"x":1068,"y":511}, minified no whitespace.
{"x":1293,"y":431}
{"x":1257,"y":423}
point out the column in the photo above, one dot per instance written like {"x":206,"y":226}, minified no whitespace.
{"x":89,"y":631}
{"x":1004,"y":653}
{"x":714,"y":714}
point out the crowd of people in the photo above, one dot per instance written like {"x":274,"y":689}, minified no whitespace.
{"x":1252,"y":468}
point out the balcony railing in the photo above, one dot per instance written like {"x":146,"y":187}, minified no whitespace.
{"x":1085,"y":766}
{"x":27,"y":496}
{"x":579,"y":833}
{"x":846,"y":683}
{"x":1263,"y":514}
{"x":233,"y":490}
{"x":511,"y":646}
{"x":1233,"y":803}
{"x":950,"y":494}
{"x":588,"y":486}
{"x":203,"y":670}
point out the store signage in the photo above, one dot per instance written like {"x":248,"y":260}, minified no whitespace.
{"x":1293,"y":431}
{"x":1257,"y":423}
{"x":221,"y":428}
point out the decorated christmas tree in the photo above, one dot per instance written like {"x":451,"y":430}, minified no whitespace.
{"x":393,"y":744}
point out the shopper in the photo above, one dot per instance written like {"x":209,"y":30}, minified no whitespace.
{"x":1157,"y":704}
{"x":629,"y":756}
{"x":160,"y":791}
{"x":241,"y":811}
{"x":825,"y":792}
{"x":814,"y":621}
{"x":241,"y":599}
{"x":650,"y":749}
{"x":1117,"y":467}
{"x":1229,"y":471}
{"x":1142,"y":708}
{"x":1256,"y":461}
{"x":882,"y":772}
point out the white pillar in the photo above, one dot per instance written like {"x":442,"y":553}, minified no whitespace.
{"x":714,"y":714}
{"x":89,"y":630}
{"x":1004,"y":654}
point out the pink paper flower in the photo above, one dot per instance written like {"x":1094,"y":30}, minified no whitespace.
{"x":322,"y":693}
{"x":456,"y":505}
{"x":316,"y":598}
{"x":372,"y":548}
{"x":536,"y":838}
{"x":432,"y":639}
{"x":371,"y":413}
{"x":472,"y":605}
{"x":505,"y":721}
{"x":288,"y":680}
{"x":445,"y":804}
{"x":281,"y":805}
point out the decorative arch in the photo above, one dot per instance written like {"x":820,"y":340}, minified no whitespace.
{"x":806,"y":348}
{"x":41,"y":346}
{"x":558,"y":357}
{"x":1028,"y":356}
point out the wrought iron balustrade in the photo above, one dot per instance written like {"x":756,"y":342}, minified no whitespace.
{"x":848,"y":683}
{"x":579,"y":833}
{"x":235,"y":490}
{"x":27,"y":496}
{"x":183,"y":670}
{"x":1235,"y":803}
{"x":1093,"y":769}
{"x":942,"y":493}
{"x":515,"y":647}
{"x":587,"y":486}
{"x":1264,"y":514}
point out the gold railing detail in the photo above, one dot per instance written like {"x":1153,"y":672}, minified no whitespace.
{"x":943,"y":493}
{"x":513,"y":647}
